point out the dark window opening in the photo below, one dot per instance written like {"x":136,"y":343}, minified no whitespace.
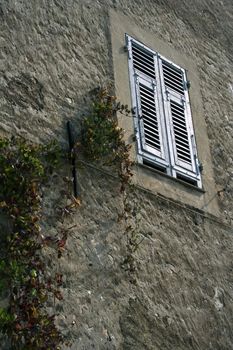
{"x":154,"y":166}
{"x":186,"y":179}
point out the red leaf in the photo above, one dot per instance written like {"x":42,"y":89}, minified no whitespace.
{"x":58,"y":295}
{"x":61,"y":243}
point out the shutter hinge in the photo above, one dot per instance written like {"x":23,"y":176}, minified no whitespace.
{"x":187,"y":85}
{"x":136,"y":77}
{"x":201,"y":167}
{"x":133,"y":111}
{"x":197,"y":165}
{"x":167,"y":94}
{"x":127,"y":49}
{"x":183,"y":101}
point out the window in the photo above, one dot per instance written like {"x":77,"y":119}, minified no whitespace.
{"x":163,"y":121}
{"x":163,"y":140}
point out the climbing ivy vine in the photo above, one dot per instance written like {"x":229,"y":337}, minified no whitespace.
{"x":103,"y":140}
{"x":24,"y":167}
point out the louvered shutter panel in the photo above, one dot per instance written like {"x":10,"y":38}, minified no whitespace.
{"x":143,"y":60}
{"x":180,"y":132}
{"x":150,"y":129}
{"x":179,"y":121}
{"x":173,"y":77}
{"x":150,"y":123}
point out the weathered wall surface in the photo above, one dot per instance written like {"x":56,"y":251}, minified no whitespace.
{"x":179,"y":298}
{"x":52,"y":54}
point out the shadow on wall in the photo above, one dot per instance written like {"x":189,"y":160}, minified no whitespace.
{"x":24,"y":91}
{"x":5,"y":229}
{"x":28,"y":102}
{"x":144,"y":330}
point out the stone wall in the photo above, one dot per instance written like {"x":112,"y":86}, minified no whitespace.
{"x":180,"y":297}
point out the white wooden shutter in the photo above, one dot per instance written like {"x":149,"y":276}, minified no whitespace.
{"x":144,"y":76}
{"x":163,"y":123}
{"x":149,"y":123}
{"x":179,"y":122}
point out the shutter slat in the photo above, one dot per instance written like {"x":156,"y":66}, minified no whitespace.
{"x":176,"y":113}
{"x":141,"y":51}
{"x":150,"y":93}
{"x":148,"y":108}
{"x":151,"y":121}
{"x":149,"y":116}
{"x":138,"y":57}
{"x":181,"y":134}
{"x":146,"y":101}
{"x":150,"y":133}
{"x":179,"y":123}
{"x":151,"y":128}
{"x":145,"y":97}
{"x":145,"y":70}
{"x":177,"y":107}
{"x":183,"y":156}
{"x":152,"y":142}
{"x":174,"y":87}
{"x":172,"y":71}
{"x":179,"y":126}
{"x":182,"y":144}
{"x":172,"y":83}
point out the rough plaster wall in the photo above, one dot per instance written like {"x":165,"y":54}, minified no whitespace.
{"x":52,"y":54}
{"x":181,"y":295}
